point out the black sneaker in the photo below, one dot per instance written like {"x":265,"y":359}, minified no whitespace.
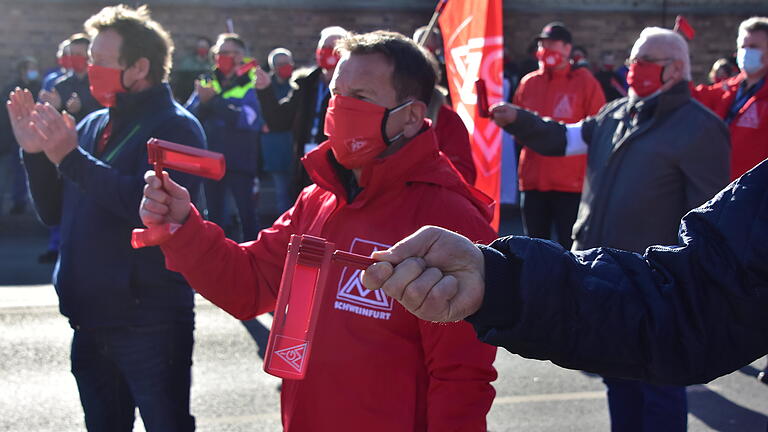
{"x":49,"y":257}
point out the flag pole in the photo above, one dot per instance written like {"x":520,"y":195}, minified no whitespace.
{"x":432,"y":22}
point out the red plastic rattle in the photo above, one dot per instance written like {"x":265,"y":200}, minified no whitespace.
{"x":191,"y":160}
{"x":299,"y":300}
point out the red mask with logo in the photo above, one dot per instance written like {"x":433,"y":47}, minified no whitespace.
{"x":105,"y":84}
{"x":327,"y":58}
{"x":225,"y":64}
{"x":355,"y":130}
{"x":285,"y":71}
{"x":644,"y":77}
{"x":549,"y":58}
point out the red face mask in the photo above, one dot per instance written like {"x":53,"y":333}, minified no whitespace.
{"x":644,"y":77}
{"x":202,"y":52}
{"x":355,"y":130}
{"x":549,"y":58}
{"x":65,"y":61}
{"x":326,"y":58}
{"x":285,"y":71}
{"x":225,"y":64}
{"x":105,"y":84}
{"x":79,"y":63}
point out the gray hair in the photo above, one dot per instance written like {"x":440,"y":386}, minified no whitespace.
{"x":673,"y":43}
{"x":276,"y":52}
{"x":333,"y":31}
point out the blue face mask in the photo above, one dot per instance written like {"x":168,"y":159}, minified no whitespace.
{"x":33,"y":75}
{"x":749,"y":60}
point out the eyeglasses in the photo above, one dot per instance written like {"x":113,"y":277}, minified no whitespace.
{"x":645,"y":60}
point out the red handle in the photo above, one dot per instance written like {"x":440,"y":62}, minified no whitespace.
{"x":349,"y":259}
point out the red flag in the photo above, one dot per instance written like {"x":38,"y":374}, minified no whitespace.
{"x":684,"y":28}
{"x":473,"y":45}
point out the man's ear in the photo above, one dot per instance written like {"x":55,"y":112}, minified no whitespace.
{"x":140,"y":69}
{"x":417,"y":111}
{"x":676,"y":72}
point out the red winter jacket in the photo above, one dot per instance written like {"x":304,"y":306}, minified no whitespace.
{"x":569,"y":96}
{"x":374,"y":366}
{"x":749,"y":129}
{"x":453,"y":138}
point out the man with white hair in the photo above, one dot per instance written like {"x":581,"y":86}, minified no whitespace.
{"x":651,"y":157}
{"x":303,"y":111}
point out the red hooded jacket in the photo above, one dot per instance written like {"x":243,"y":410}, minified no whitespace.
{"x":374,"y":366}
{"x":749,"y":128}
{"x":453,"y":137}
{"x":568,"y":95}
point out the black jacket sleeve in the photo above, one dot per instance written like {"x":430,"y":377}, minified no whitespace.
{"x":45,"y":186}
{"x":279,"y":114}
{"x":544,"y":136}
{"x":676,"y":315}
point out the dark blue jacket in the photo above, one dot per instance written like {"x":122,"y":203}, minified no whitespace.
{"x":677,"y":315}
{"x":100,"y":279}
{"x":232,"y":121}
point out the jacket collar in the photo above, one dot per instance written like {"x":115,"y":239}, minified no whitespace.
{"x":418,"y":161}
{"x":133,"y":106}
{"x":661,"y":104}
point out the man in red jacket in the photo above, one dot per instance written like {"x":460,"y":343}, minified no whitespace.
{"x":743,"y":101}
{"x":551,"y":186}
{"x":380,"y":176}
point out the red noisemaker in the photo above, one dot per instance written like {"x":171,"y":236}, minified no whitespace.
{"x":298,"y":302}
{"x":482,"y":99}
{"x":242,"y":70}
{"x":191,"y":160}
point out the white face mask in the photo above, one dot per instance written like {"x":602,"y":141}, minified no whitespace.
{"x":749,"y":60}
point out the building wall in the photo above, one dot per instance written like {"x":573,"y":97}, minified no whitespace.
{"x":34,"y":27}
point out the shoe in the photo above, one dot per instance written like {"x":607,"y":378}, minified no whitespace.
{"x":763,"y":376}
{"x":49,"y":257}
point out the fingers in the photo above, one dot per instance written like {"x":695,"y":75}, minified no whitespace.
{"x":415,"y":245}
{"x":439,"y":303}
{"x":405,"y":273}
{"x":417,"y":291}
{"x":375,"y":275}
{"x":69,"y":121}
{"x":174,"y":189}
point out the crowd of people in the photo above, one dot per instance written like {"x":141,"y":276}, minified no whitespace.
{"x":363,"y":149}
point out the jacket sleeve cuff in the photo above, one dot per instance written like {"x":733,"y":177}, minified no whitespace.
{"x":501,"y":301}
{"x":72,"y":162}
{"x":177,"y":248}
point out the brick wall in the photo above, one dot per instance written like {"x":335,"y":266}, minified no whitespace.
{"x":34,"y":27}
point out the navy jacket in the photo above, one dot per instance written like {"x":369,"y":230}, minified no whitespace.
{"x":100,"y":279}
{"x":232,"y":121}
{"x":677,"y":315}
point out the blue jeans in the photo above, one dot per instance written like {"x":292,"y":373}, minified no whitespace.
{"x":119,"y":369}
{"x":281,"y":181}
{"x":641,"y":407}
{"x":241,"y":187}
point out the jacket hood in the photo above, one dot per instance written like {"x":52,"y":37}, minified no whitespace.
{"x":418,"y":161}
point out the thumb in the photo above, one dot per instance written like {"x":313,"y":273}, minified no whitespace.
{"x":415,"y":245}
{"x":174,"y":189}
{"x":69,"y":121}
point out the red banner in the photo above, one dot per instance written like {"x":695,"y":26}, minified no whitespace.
{"x":473,"y":45}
